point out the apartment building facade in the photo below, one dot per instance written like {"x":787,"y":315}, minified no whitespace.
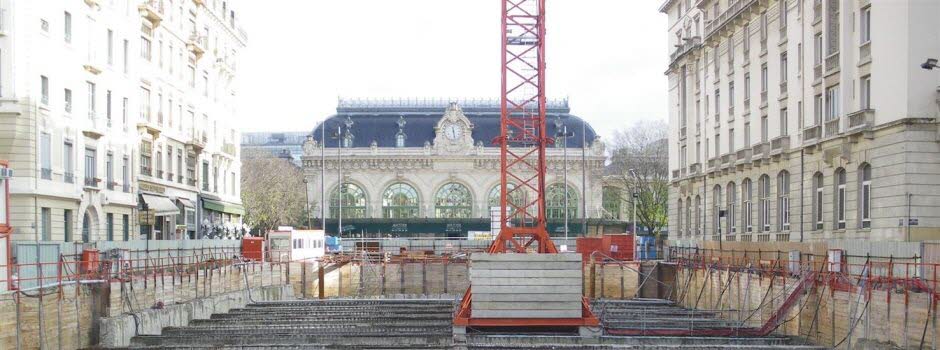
{"x":83,"y":87}
{"x":802,"y":120}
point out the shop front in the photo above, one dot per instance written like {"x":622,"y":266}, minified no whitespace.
{"x":221,"y":219}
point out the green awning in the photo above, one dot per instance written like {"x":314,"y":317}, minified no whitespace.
{"x":223,"y":207}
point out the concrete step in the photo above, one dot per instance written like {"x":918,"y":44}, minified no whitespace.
{"x":622,"y":340}
{"x":300,"y":330}
{"x":335,"y":341}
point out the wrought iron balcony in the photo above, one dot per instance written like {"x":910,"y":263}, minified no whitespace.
{"x":779,"y":144}
{"x":46,"y":174}
{"x":110,"y":185}
{"x":145,"y":170}
{"x":68,"y":177}
{"x":861,"y":120}
{"x":92,"y":182}
{"x":812,"y":134}
{"x":675,"y":174}
{"x":817,"y":72}
{"x":229,"y":148}
{"x":726,"y":17}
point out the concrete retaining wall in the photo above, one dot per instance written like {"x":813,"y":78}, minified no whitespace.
{"x":117,"y":331}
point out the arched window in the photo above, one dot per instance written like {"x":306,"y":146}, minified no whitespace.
{"x":555,"y":202}
{"x":354,"y":201}
{"x":864,"y":191}
{"x":838,"y":202}
{"x":679,"y":218}
{"x":453,"y":200}
{"x":818,"y":201}
{"x":612,"y":202}
{"x":688,"y":216}
{"x":763,"y":193}
{"x":400,"y":200}
{"x":517,"y":197}
{"x":400,"y":139}
{"x":731,"y":197}
{"x":747,"y":195}
{"x":716,"y":210}
{"x":783,"y":201}
{"x":698,"y":215}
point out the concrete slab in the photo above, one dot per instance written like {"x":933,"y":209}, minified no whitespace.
{"x":555,"y":289}
{"x":522,"y":298}
{"x":502,"y":265}
{"x":480,"y":273}
{"x":526,"y":281}
{"x":526,"y":313}
{"x":563,"y":257}
{"x":526,"y":305}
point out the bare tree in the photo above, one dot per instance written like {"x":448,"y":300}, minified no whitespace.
{"x":272,"y":191}
{"x":640,"y":165}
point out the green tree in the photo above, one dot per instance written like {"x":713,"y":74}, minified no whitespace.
{"x":272,"y":191}
{"x":640,"y":165}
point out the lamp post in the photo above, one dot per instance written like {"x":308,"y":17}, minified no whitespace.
{"x":562,"y":132}
{"x":635,"y":198}
{"x":341,"y":142}
{"x":307,"y":203}
{"x":323,"y":176}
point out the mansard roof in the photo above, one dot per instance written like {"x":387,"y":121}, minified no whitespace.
{"x":377,"y":120}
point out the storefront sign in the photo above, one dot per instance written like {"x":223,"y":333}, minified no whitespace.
{"x":147,"y":187}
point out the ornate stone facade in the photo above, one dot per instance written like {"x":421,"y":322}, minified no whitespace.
{"x":445,"y":160}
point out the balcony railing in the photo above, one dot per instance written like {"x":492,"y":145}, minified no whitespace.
{"x":684,"y":48}
{"x":727,"y":159}
{"x":152,"y":10}
{"x":126,"y":188}
{"x":864,"y":52}
{"x":817,"y":11}
{"x":197,"y":44}
{"x":170,"y":177}
{"x":725,"y":17}
{"x":832,"y":127}
{"x":229,"y":148}
{"x":861,"y":119}
{"x":682,"y":132}
{"x":832,"y":62}
{"x":92,"y":182}
{"x":111,"y":185}
{"x":743,"y":155}
{"x":179,"y":178}
{"x":695,"y":168}
{"x":812,"y":134}
{"x":712,"y":163}
{"x":675,"y":174}
{"x":817,"y":71}
{"x":763,"y":97}
{"x":783,"y":88}
{"x":68,"y":177}
{"x":760,"y":150}
{"x":46,"y":174}
{"x":159,"y":174}
{"x":146,"y":171}
{"x":191,"y":182}
{"x":779,"y":144}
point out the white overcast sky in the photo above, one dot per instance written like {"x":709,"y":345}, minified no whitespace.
{"x":606,"y":56}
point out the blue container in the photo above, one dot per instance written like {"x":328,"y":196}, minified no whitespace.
{"x":646,"y":248}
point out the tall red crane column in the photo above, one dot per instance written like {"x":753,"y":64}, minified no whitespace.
{"x":522,"y":144}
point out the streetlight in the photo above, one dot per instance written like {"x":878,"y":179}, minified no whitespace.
{"x":307,"y":203}
{"x":341,"y":139}
{"x":635,"y":197}
{"x":561,"y":130}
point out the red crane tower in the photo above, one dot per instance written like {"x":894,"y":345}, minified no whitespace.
{"x":522,"y":144}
